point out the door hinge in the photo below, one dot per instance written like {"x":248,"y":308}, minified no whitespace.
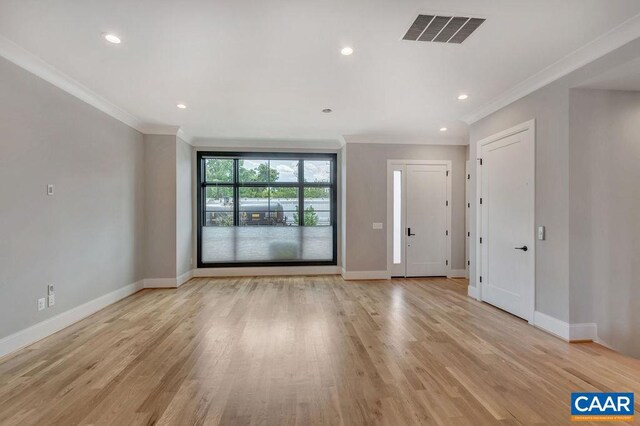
{"x":446,"y":203}
{"x":469,"y":205}
{"x":480,"y":200}
{"x":447,"y":262}
{"x":480,"y":161}
{"x":480,"y":278}
{"x":468,"y":263}
{"x":468,"y":176}
{"x":447,"y":172}
{"x":468,"y":234}
{"x":480,"y":240}
{"x":446,"y":232}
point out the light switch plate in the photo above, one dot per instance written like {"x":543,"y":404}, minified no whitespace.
{"x":541,"y":233}
{"x":377,"y":225}
{"x":50,"y":189}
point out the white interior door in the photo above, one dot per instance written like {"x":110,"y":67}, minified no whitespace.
{"x":426,"y":220}
{"x":506,"y":208}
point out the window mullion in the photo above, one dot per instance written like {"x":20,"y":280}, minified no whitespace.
{"x":236,"y":192}
{"x":301,"y":192}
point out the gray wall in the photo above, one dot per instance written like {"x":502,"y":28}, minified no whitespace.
{"x":184,"y":209}
{"x":605,"y":215}
{"x":550,"y":107}
{"x":160,"y":206}
{"x":87,"y":239}
{"x":366,"y":200}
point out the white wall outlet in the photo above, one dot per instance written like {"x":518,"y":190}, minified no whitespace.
{"x":377,"y":225}
{"x":52,"y":300}
{"x":50,"y":189}
{"x":50,"y":289}
{"x":41,"y":304}
{"x":541,"y":233}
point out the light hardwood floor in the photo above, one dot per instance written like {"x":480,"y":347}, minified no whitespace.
{"x":305,"y":350}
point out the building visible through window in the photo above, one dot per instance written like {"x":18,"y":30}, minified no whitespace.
{"x":266,"y":209}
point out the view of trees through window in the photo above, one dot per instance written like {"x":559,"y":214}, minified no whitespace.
{"x":268,"y":191}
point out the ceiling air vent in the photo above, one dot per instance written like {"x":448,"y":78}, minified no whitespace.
{"x":442,"y":29}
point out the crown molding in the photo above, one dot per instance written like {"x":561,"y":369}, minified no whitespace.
{"x":35,"y":65}
{"x":448,"y":141}
{"x":184,"y":136}
{"x":328,"y":144}
{"x":608,"y":42}
{"x":159,"y":129}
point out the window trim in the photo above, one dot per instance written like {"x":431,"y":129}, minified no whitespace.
{"x":201,"y":185}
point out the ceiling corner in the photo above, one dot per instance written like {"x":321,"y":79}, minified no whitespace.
{"x":606,"y":43}
{"x":37,"y":66}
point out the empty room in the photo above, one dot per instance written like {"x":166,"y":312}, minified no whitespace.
{"x":420,"y":212}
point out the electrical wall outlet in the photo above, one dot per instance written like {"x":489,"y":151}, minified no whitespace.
{"x":52,"y":300}
{"x":41,"y":304}
{"x":377,"y":225}
{"x":50,"y":189}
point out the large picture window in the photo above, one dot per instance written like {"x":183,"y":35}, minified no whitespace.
{"x":260,"y":209}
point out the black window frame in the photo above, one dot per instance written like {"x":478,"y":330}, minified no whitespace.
{"x":201,"y":186}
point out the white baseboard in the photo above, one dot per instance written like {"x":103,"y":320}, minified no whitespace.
{"x":584,"y":331}
{"x":184,"y":278}
{"x":160,"y":283}
{"x":266,"y":271}
{"x":551,"y":325}
{"x":457,"y":273}
{"x":365,"y":275}
{"x":472,"y":291}
{"x":564,"y":330}
{"x":56,"y":323}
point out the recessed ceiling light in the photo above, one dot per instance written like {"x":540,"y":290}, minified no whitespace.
{"x":327,"y":110}
{"x":463,"y":97}
{"x":112,"y":38}
{"x":181,"y":106}
{"x":346,"y":51}
{"x":443,"y":129}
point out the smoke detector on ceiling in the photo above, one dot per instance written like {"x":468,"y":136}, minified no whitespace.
{"x":442,"y":29}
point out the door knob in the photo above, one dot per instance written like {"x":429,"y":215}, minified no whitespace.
{"x":523,"y":248}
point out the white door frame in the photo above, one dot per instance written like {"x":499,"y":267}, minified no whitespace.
{"x":390,"y":165}
{"x":522,"y":127}
{"x":467,"y":222}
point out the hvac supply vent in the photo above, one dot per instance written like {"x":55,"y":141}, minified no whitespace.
{"x":442,"y":29}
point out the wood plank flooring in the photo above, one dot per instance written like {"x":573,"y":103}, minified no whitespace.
{"x":305,"y":350}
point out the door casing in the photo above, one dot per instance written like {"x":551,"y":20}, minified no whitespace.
{"x":391,"y":164}
{"x":529,"y":126}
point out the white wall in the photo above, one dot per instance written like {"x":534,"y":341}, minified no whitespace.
{"x":87,"y":239}
{"x":366,"y":200}
{"x":605,"y":215}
